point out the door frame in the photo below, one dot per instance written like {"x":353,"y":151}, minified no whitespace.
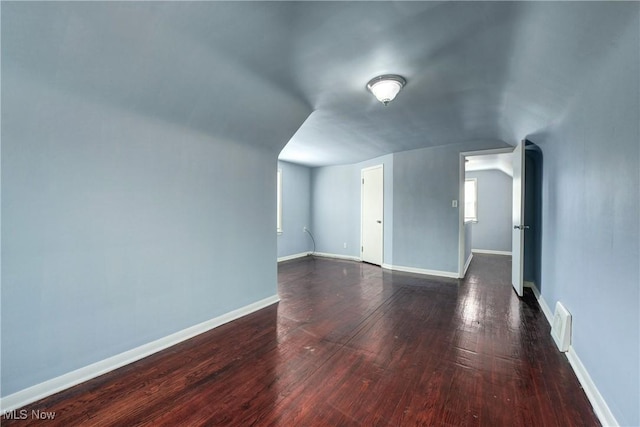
{"x":517,"y":218}
{"x":362,"y":171}
{"x":461,"y":178}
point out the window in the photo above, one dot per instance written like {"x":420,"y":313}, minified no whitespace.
{"x":471,"y":200}
{"x":279,"y":201}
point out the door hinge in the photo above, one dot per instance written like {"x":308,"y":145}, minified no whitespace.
{"x":363,"y":180}
{"x":362,"y":249}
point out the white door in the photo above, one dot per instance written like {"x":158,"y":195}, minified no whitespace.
{"x":372,"y":214}
{"x":517,"y":239}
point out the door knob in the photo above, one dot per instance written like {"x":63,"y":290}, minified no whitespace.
{"x":379,"y":222}
{"x":521,"y":227}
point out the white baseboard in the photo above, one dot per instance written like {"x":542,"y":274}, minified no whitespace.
{"x":541,"y":301}
{"x":598,"y":403}
{"x":294,"y":256}
{"x":337,"y":256}
{"x":55,"y":385}
{"x":600,"y":407}
{"x":466,"y":265}
{"x":448,"y":274}
{"x":490,"y":252}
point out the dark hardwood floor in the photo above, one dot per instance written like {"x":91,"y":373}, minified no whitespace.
{"x":351,"y":344}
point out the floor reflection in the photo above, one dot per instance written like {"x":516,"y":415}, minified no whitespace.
{"x":360,"y":345}
{"x":351,"y":344}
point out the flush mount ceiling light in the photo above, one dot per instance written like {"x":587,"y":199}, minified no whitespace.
{"x":386,"y":87}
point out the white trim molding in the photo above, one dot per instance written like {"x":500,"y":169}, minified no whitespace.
{"x":337,"y":256}
{"x":70,"y":379}
{"x":466,"y":265}
{"x":362,"y":171}
{"x":541,"y":301}
{"x":461,"y":177}
{"x":490,"y":252}
{"x":294,"y":256}
{"x":598,"y":403}
{"x":448,"y":274}
{"x":600,"y":407}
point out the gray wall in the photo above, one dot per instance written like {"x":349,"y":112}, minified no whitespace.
{"x":533,"y":215}
{"x":296,"y":209}
{"x":425,"y":227}
{"x":335,"y":207}
{"x":124,"y":221}
{"x":495,"y":195}
{"x":115,"y":239}
{"x":421,"y":227}
{"x":590,"y":212}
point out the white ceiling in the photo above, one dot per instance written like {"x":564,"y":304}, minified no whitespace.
{"x":500,"y":162}
{"x":268,"y":73}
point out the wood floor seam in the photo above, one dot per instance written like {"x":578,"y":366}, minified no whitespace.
{"x":351,"y":345}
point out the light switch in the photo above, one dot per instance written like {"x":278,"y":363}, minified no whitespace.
{"x":454,"y":203}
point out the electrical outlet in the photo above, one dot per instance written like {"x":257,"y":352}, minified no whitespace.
{"x":454,"y":203}
{"x":304,"y":229}
{"x":345,"y":245}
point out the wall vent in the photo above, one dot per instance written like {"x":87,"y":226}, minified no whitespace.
{"x":561,"y":328}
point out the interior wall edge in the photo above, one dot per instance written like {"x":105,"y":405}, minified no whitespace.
{"x":438,"y":273}
{"x":467,"y":264}
{"x":491,"y":252}
{"x":600,"y":406}
{"x":541,"y":301}
{"x":294,"y":256}
{"x":49,"y":387}
{"x":337,"y":256}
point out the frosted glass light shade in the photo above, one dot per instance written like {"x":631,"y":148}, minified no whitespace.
{"x":385,"y":88}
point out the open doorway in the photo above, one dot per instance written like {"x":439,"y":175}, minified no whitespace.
{"x":488,"y":183}
{"x":488,"y":226}
{"x":498,"y":161}
{"x":485,"y":221}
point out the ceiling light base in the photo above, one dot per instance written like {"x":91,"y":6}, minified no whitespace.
{"x":386,"y":87}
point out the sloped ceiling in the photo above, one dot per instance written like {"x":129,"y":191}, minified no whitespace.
{"x":222,"y":69}
{"x":268,"y":73}
{"x":475,"y":71}
{"x":501,"y":162}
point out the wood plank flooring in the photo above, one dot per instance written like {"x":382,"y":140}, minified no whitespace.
{"x":351,"y":344}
